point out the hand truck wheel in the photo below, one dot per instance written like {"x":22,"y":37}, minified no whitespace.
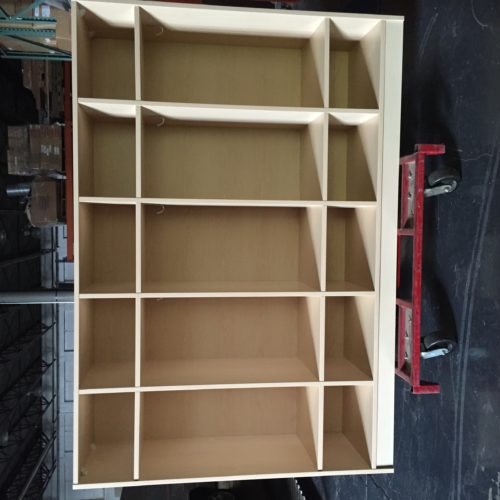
{"x":439,"y":343}
{"x":442,"y":181}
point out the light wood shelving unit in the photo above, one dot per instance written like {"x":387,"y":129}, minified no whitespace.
{"x":235,"y":218}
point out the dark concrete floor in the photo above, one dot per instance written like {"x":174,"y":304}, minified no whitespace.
{"x":448,"y":445}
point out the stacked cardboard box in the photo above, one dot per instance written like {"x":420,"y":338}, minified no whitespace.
{"x":33,"y":149}
{"x":45,"y":207}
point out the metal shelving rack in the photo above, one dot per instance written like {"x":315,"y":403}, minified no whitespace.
{"x":25,"y":37}
{"x":28,"y":412}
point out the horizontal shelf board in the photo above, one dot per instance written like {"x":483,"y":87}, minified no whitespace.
{"x":351,"y":117}
{"x":345,"y":286}
{"x":256,"y":14}
{"x":117,"y":109}
{"x":112,"y":461}
{"x":231,"y":203}
{"x":162,"y":295}
{"x":151,"y":482}
{"x":212,"y":387}
{"x":227,"y":286}
{"x":223,"y":112}
{"x":351,"y":204}
{"x":232,"y":113}
{"x":109,"y":374}
{"x":340,"y":454}
{"x":224,"y":371}
{"x":107,"y":200}
{"x":347,"y":383}
{"x":107,"y":390}
{"x":127,"y":295}
{"x":109,"y":288}
{"x":338,"y":370}
{"x":232,"y":455}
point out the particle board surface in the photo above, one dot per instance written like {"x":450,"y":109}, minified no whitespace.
{"x":235,"y":205}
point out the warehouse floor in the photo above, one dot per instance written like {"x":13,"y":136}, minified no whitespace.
{"x":446,"y":445}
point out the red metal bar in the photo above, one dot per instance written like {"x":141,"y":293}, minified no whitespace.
{"x":411,"y":225}
{"x":403,"y":303}
{"x":418,"y":225}
{"x":68,"y":160}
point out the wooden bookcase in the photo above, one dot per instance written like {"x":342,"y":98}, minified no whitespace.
{"x":236,"y":212}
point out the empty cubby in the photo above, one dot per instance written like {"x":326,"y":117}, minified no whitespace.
{"x":350,"y":249}
{"x":107,"y":343}
{"x":107,"y":248}
{"x":228,"y":249}
{"x":355,"y":49}
{"x":349,"y":338}
{"x":194,"y":341}
{"x":241,"y":66}
{"x":232,"y":159}
{"x":348,"y":413}
{"x":106,"y":156}
{"x":352,"y":156}
{"x":228,"y":432}
{"x":105,"y":438}
{"x":105,"y":62}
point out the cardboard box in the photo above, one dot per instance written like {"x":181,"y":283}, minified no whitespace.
{"x":18,"y":152}
{"x":34,"y":149}
{"x":45,"y":202}
{"x":50,"y":148}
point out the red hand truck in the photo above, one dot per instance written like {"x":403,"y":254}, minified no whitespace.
{"x":411,"y":347}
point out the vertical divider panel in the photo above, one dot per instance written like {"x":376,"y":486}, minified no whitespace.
{"x":326,"y":41}
{"x":322,"y":341}
{"x":308,"y":422}
{"x":314,"y":68}
{"x":137,"y":433}
{"x":321,"y":425}
{"x":139,"y":142}
{"x":313,"y":159}
{"x":378,"y":244}
{"x":75,"y":50}
{"x":138,"y":247}
{"x":138,"y":52}
{"x":324,"y":226}
{"x":311,"y":242}
{"x":138,"y":340}
{"x":392,"y":55}
{"x":324,"y":178}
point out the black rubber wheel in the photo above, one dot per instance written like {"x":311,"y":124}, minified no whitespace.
{"x":446,"y":176}
{"x":4,"y":438}
{"x":439,"y":340}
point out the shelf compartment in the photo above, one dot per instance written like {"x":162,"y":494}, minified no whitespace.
{"x":105,"y":60}
{"x":355,"y":48}
{"x":350,"y":258}
{"x":198,"y":341}
{"x":106,"y":150}
{"x":106,"y":438}
{"x":349,"y":332}
{"x":230,"y":249}
{"x":231,"y":158}
{"x":230,"y":432}
{"x":232,"y":64}
{"x":107,"y":343}
{"x":352,"y":157}
{"x":107,"y":248}
{"x":348,"y":428}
